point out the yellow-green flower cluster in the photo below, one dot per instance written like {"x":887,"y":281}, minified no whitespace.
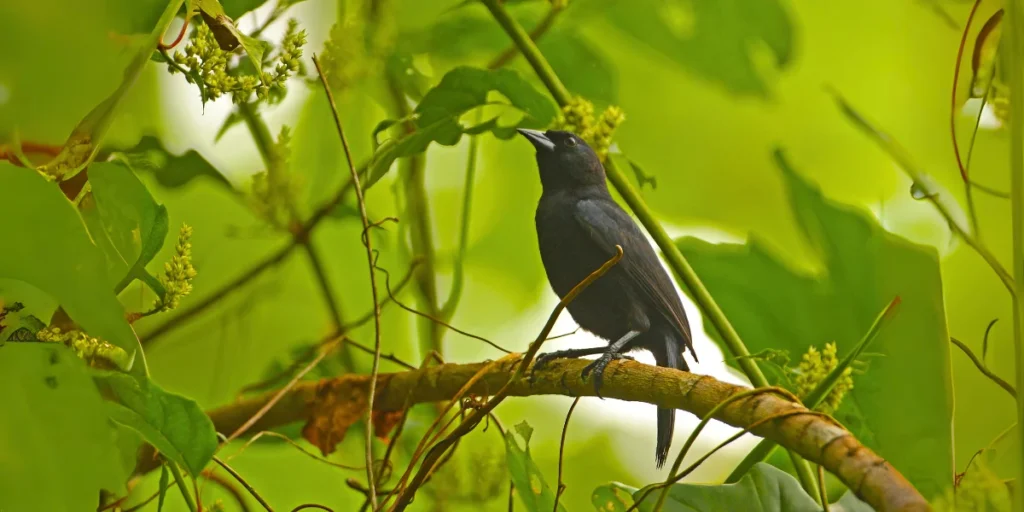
{"x":85,"y":346}
{"x":204,"y":58}
{"x":178,"y":273}
{"x":814,"y":367}
{"x":578,"y":117}
{"x":272,"y":192}
{"x":346,"y":60}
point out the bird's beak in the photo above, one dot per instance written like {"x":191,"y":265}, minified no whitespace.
{"x":538,"y":139}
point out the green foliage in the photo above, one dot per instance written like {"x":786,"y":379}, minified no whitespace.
{"x":461,"y":90}
{"x":864,"y":267}
{"x":51,"y":234}
{"x":59,"y":450}
{"x":763,"y":489}
{"x":173,"y":424}
{"x":533,"y":490}
{"x":714,"y":40}
{"x":134,"y":223}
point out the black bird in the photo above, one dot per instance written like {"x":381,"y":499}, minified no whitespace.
{"x":634,"y":305}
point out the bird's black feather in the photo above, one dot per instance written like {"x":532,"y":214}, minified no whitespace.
{"x":578,"y":226}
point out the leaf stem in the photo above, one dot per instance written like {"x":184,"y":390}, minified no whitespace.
{"x":458,"y":273}
{"x":180,"y":480}
{"x":529,"y":50}
{"x":1012,"y":52}
{"x":983,"y":368}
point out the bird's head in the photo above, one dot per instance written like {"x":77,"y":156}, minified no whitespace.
{"x":564,"y":160}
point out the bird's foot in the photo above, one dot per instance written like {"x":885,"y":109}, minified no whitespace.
{"x":542,"y":360}
{"x":597,"y":368}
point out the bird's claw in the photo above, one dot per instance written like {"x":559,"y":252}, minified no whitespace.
{"x":539,"y":362}
{"x":598,"y":367}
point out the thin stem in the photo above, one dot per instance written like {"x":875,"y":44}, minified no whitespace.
{"x":1012,"y":53}
{"x":458,"y":273}
{"x":412,"y":171}
{"x":561,"y":453}
{"x":245,"y":484}
{"x":180,"y":480}
{"x":324,"y":283}
{"x":260,"y":132}
{"x":530,"y":51}
{"x":545,"y":24}
{"x":983,"y":368}
{"x":368,"y":243}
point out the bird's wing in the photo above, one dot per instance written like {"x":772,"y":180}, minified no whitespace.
{"x":608,"y":226}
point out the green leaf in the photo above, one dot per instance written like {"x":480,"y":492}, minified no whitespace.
{"x":171,"y":171}
{"x":175,"y":425}
{"x":460,"y":91}
{"x":135,"y":223}
{"x":765,"y":489}
{"x":58,"y":449}
{"x":903,"y":415}
{"x":92,"y":44}
{"x":530,"y":485}
{"x":49,"y":234}
{"x":712,"y":39}
{"x":84,"y":141}
{"x":612,"y":497}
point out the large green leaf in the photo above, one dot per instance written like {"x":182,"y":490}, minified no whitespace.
{"x":135,"y":223}
{"x":531,"y":487}
{"x":902,"y":408}
{"x":175,"y":425}
{"x":56,"y":255}
{"x":58,"y":449}
{"x":93,"y":44}
{"x":437,"y":117}
{"x":764,"y":489}
{"x":714,"y":39}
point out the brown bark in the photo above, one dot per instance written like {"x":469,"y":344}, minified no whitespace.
{"x":820,"y":440}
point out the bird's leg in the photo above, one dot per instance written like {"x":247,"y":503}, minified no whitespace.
{"x":613,"y":352}
{"x":572,"y":353}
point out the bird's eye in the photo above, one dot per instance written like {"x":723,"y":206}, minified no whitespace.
{"x":571,"y":142}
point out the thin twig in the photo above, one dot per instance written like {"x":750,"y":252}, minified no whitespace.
{"x":294,"y":444}
{"x":458,"y":271}
{"x":333,"y":307}
{"x":984,"y":340}
{"x":227,"y":486}
{"x":952,"y":101}
{"x":311,"y":505}
{"x":387,"y":285}
{"x":245,"y":484}
{"x":984,"y":369}
{"x":180,"y":481}
{"x":561,"y":453}
{"x":373,"y":283}
{"x":542,"y":27}
{"x":324,"y":350}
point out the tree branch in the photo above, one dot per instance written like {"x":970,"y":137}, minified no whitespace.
{"x":819,"y":440}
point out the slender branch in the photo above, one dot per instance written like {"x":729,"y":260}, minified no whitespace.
{"x":530,"y":51}
{"x":368,"y":243}
{"x":245,"y":484}
{"x":952,"y":100}
{"x":561,"y":453}
{"x":1011,"y":54}
{"x":545,"y":24}
{"x":333,"y":307}
{"x":818,"y":439}
{"x":180,"y":480}
{"x":412,"y":171}
{"x":458,"y":272}
{"x":984,"y":368}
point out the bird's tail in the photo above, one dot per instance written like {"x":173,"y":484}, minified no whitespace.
{"x":669,"y":356}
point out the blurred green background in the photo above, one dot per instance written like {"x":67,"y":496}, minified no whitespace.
{"x":709,"y":89}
